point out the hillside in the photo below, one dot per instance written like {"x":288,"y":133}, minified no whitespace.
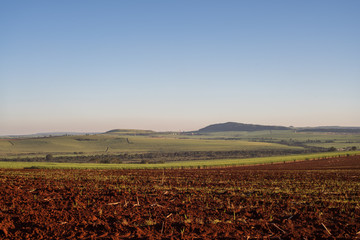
{"x":331,"y":129}
{"x":130,"y":132}
{"x":233,"y":126}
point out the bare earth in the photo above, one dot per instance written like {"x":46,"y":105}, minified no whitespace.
{"x":309,"y":199}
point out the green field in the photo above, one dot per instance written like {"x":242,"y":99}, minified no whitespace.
{"x":184,"y":164}
{"x":131,"y":146}
{"x":120,"y":143}
{"x":326,"y":140}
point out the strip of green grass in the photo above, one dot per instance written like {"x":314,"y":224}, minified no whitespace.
{"x":184,"y":164}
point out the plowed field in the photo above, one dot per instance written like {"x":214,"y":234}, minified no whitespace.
{"x":310,"y":199}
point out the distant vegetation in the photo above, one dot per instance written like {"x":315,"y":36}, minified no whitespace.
{"x":218,"y":141}
{"x":117,"y":148}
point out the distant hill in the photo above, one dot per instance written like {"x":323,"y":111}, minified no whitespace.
{"x":130,"y":131}
{"x":233,"y":126}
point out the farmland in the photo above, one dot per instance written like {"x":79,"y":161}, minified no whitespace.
{"x":114,"y":144}
{"x":136,"y":146}
{"x":128,"y":184}
{"x":291,"y":138}
{"x":307,"y":199}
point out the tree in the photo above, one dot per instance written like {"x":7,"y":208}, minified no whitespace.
{"x":49,"y":157}
{"x":332,"y":149}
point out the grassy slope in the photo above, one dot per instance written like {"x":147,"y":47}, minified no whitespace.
{"x":340,"y":140}
{"x":113,"y":143}
{"x":186,"y":164}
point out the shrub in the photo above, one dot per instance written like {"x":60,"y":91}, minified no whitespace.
{"x":49,"y":157}
{"x":332,"y":149}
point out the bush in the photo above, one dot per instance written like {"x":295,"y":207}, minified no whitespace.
{"x":332,"y":149}
{"x":49,"y":157}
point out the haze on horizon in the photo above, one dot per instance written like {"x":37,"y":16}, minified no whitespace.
{"x":92,"y":66}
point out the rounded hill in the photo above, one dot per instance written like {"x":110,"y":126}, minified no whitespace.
{"x":233,"y":126}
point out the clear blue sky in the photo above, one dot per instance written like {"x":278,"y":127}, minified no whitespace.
{"x":177,"y":65}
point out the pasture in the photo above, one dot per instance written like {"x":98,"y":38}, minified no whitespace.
{"x":115,"y":144}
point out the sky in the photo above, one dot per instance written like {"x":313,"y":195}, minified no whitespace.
{"x":92,"y":66}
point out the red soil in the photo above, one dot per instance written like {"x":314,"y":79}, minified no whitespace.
{"x":271,"y":202}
